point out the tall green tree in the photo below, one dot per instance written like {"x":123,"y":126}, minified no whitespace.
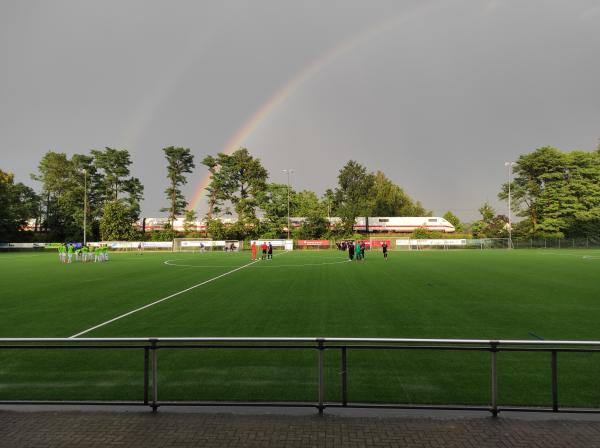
{"x":487,"y":212}
{"x":273,"y":201}
{"x":214,"y":189}
{"x":558,"y":193}
{"x":116,"y":223}
{"x":389,"y":199}
{"x":179,"y":162}
{"x":62,"y":194}
{"x":113,"y":165}
{"x":328,"y":200}
{"x":353,"y":194}
{"x":190,"y":217}
{"x":454,"y":220}
{"x":240,"y":179}
{"x":308,"y":205}
{"x":490,"y":225}
{"x":18,"y":204}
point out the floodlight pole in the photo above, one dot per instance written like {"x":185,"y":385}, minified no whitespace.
{"x":84,"y":206}
{"x":288,"y":171}
{"x":509,"y":165}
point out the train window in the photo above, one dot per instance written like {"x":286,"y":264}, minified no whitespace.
{"x":383,"y":220}
{"x":432,"y":220}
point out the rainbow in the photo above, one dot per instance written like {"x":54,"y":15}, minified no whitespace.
{"x":294,"y":83}
{"x":257,"y":118}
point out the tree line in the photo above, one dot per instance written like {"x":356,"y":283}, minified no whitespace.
{"x":554,"y":194}
{"x":96,"y":189}
{"x":240,"y":184}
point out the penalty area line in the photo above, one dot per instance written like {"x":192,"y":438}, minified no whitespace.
{"x":160,"y":300}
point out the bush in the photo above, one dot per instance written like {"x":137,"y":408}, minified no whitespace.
{"x":424,"y":234}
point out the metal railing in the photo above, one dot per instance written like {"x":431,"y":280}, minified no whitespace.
{"x":151,"y":347}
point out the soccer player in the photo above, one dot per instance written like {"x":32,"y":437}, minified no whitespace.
{"x":85,"y":254}
{"x":270,"y":251}
{"x":350,"y":251}
{"x":70,"y":251}
{"x":384,"y":249}
{"x":253,"y":250}
{"x":358,"y":251}
{"x":264,"y":250}
{"x":61,"y":253}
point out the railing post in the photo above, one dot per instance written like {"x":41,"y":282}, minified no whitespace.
{"x":146,"y":370}
{"x":494,"y":378}
{"x":321,"y":368}
{"x":154,"y":375}
{"x":554,"y":382}
{"x":344,"y":377}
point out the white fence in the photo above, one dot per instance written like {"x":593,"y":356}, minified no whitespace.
{"x":283,"y":244}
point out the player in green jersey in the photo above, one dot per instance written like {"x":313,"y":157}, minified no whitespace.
{"x":70,"y":251}
{"x":62,"y":253}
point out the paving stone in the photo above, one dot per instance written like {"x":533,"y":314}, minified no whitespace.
{"x":138,"y":429}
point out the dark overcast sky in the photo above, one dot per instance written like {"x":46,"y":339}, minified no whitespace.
{"x":437,"y":94}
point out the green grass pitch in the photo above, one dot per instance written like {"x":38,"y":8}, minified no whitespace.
{"x":489,"y":294}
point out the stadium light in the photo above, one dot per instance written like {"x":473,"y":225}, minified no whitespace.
{"x":288,"y":171}
{"x":509,"y":165}
{"x":84,"y":206}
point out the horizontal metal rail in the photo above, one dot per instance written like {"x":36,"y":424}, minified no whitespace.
{"x":152,"y":346}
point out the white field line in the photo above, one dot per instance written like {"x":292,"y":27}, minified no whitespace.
{"x":160,"y":300}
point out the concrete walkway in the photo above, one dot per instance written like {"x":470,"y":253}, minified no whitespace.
{"x":213,"y":428}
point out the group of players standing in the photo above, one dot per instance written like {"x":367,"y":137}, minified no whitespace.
{"x":356,"y":250}
{"x":83,"y":254}
{"x":267,"y":251}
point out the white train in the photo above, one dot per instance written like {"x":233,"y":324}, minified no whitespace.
{"x":404,"y":224}
{"x":368,"y":224}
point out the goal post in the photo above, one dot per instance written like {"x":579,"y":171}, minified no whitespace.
{"x":192,"y":244}
{"x":233,"y":246}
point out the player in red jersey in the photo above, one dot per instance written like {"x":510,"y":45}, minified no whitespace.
{"x":264,"y":250}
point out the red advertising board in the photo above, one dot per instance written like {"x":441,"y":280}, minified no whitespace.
{"x":313,"y":243}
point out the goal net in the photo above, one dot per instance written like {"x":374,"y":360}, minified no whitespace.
{"x":192,"y":244}
{"x":230,"y":246}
